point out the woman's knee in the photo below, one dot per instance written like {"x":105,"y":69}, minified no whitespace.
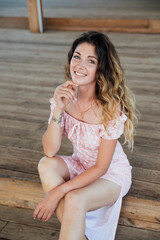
{"x":74,"y":200}
{"x":46,"y":163}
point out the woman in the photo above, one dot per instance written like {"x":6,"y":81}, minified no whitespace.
{"x":93,"y":108}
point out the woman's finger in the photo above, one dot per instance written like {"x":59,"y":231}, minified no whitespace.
{"x":45,"y":215}
{"x":70,"y":83}
{"x":36,"y":211}
{"x":49,"y":215}
{"x":71,"y":91}
{"x":41,"y":213}
{"x":62,"y":94}
{"x":66,"y":92}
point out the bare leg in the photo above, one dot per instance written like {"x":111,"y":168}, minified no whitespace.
{"x":73,"y":220}
{"x":77,"y":202}
{"x":53,"y":172}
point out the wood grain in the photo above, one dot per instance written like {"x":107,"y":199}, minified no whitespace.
{"x":31,"y":67}
{"x":142,"y":210}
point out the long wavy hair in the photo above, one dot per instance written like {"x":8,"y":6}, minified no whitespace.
{"x":111,"y":88}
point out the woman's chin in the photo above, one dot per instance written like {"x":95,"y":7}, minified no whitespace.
{"x":75,"y":80}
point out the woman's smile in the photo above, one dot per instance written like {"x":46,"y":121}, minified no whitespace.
{"x":80,"y":74}
{"x":84,"y":63}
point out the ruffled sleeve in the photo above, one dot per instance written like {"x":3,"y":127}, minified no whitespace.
{"x":114,"y":128}
{"x":52,"y":106}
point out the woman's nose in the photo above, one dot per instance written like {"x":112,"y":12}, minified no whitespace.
{"x":82,"y":63}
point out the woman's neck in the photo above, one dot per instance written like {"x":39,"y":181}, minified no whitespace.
{"x":85,"y":95}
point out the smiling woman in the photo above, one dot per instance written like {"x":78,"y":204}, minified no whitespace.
{"x":83,"y":65}
{"x":93,"y":108}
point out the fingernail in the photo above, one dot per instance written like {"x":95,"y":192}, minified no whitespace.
{"x":75,"y":99}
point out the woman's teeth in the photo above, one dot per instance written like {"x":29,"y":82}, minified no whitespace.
{"x":80,"y":74}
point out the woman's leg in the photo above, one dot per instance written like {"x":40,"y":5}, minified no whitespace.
{"x":77,"y":202}
{"x":53,"y":172}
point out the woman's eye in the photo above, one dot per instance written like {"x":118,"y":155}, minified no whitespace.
{"x":91,"y":61}
{"x":76,"y":57}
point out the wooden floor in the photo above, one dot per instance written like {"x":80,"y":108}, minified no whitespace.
{"x":87,"y":8}
{"x":31,"y":67}
{"x":127,"y":16}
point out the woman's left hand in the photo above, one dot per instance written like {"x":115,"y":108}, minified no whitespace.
{"x":46,"y":208}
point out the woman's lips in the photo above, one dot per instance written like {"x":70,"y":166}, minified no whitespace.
{"x":80,"y":74}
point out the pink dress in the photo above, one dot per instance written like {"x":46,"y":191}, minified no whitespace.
{"x":101,"y":223}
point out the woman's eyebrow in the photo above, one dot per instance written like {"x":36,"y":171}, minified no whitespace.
{"x":92,"y":57}
{"x":88,"y":56}
{"x":77,"y":52}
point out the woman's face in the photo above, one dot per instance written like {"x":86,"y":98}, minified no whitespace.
{"x":83,"y":65}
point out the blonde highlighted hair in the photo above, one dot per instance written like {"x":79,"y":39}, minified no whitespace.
{"x":111,"y":88}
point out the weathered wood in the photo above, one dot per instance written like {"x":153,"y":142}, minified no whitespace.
{"x":18,"y":231}
{"x":29,"y":60}
{"x":28,"y":196}
{"x":138,"y":223}
{"x":23,"y":217}
{"x":2,"y":225}
{"x":114,"y":25}
{"x":14,"y":22}
{"x":93,"y":9}
{"x":81,"y":24}
{"x":139,"y":159}
{"x":131,"y":233}
{"x":10,"y":173}
{"x":34,"y":15}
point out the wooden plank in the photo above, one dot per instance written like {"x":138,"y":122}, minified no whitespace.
{"x":143,"y":156}
{"x":102,"y":8}
{"x":44,"y":113}
{"x":21,"y":104}
{"x":153,"y":88}
{"x":145,"y":189}
{"x":14,"y":22}
{"x":20,"y":175}
{"x":66,"y":38}
{"x":138,"y":223}
{"x":35,"y":16}
{"x":2,"y":224}
{"x":27,"y":197}
{"x":148,"y":175}
{"x":25,"y":217}
{"x":145,"y":207}
{"x":117,"y":25}
{"x":29,"y":143}
{"x":131,"y":233}
{"x":82,"y":24}
{"x":18,"y":231}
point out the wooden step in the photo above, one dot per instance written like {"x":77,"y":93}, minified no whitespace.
{"x":18,"y":224}
{"x":87,"y":24}
{"x":135,"y":212}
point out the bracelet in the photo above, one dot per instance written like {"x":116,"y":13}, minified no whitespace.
{"x":57,"y":120}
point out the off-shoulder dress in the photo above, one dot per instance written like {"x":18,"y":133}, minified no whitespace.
{"x":101,"y":224}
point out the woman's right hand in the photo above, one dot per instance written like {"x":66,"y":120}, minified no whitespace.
{"x":65,"y":93}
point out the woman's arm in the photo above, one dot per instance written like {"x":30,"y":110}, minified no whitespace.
{"x":105,"y":154}
{"x":52,"y":138}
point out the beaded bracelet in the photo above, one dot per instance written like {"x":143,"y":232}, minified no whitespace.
{"x":57,"y":120}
